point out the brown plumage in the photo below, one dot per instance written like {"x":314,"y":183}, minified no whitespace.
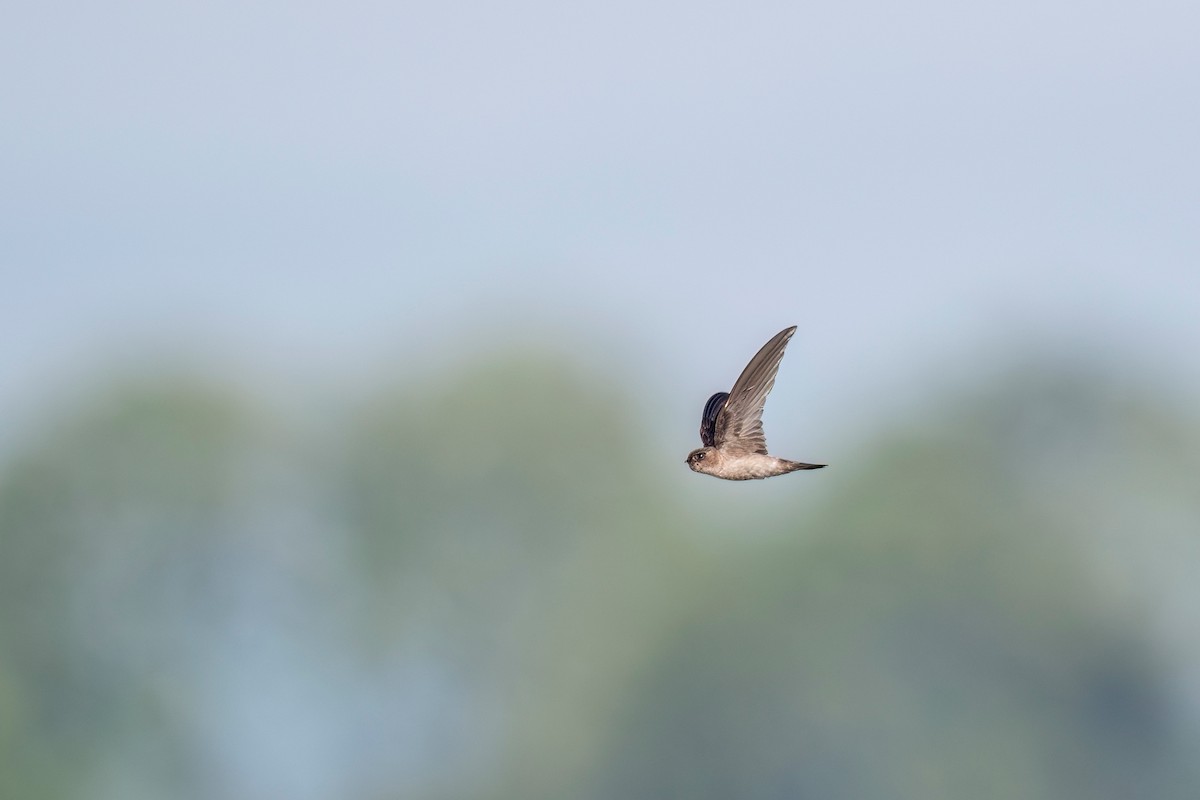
{"x":735,"y":447}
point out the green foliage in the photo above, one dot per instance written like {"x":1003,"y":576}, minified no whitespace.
{"x":479,"y":588}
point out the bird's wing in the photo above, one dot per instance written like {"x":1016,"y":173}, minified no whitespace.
{"x":708,"y":421}
{"x":738,"y":426}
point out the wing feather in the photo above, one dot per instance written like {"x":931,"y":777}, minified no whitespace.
{"x":738,"y":426}
{"x":708,"y":420}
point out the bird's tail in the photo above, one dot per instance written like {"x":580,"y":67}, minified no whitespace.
{"x":792,"y":466}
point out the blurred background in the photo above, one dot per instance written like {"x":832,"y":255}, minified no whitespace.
{"x":349,"y":356}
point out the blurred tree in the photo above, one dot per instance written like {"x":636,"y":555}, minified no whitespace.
{"x":511,"y":530}
{"x":479,"y":588}
{"x":114,"y":535}
{"x":943,"y":636}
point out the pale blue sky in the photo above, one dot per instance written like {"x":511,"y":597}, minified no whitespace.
{"x":306,"y":190}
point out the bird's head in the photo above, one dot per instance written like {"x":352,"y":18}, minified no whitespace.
{"x":698,"y":460}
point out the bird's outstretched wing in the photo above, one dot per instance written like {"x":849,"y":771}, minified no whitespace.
{"x":738,"y":426}
{"x":708,"y":421}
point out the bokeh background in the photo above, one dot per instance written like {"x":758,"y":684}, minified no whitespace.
{"x":349,"y":355}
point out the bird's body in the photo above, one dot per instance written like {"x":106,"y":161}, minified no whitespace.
{"x":747,"y":467}
{"x":735,"y":448}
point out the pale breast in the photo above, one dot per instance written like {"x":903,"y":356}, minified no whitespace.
{"x":749,"y":467}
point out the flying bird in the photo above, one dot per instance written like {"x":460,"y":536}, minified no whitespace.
{"x":735,"y":447}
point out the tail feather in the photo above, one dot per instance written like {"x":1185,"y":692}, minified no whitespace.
{"x":795,"y":465}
